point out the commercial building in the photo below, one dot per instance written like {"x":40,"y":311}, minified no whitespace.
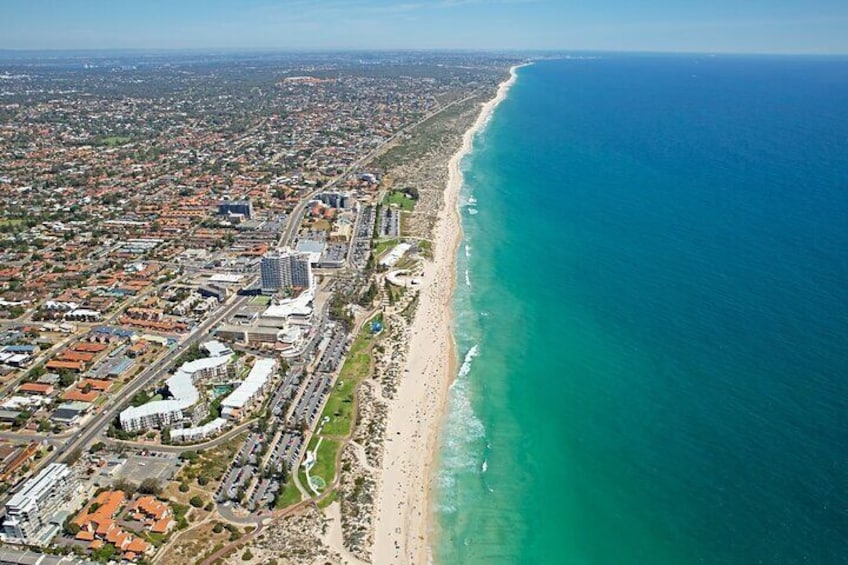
{"x":184,"y":396}
{"x":30,"y":510}
{"x":285,"y":269}
{"x":236,"y":207}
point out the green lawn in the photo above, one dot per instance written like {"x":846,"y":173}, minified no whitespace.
{"x":357,"y":366}
{"x":404,"y":202}
{"x":384,"y":245}
{"x":113,"y":141}
{"x":325,"y":464}
{"x":261,"y":300}
{"x":289,"y":495}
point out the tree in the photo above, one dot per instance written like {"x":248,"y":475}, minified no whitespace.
{"x":73,"y":456}
{"x":125,"y":485}
{"x":189,"y":456}
{"x":196,"y":501}
{"x":150,"y":486}
{"x":67,"y":378}
{"x":246,"y":556}
{"x":70,"y":527}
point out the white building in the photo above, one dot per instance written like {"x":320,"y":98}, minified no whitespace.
{"x":198,"y":433}
{"x":395,"y":254}
{"x":289,"y":310}
{"x":250,"y":391}
{"x":216,"y":348}
{"x":30,"y":510}
{"x":283,"y":269}
{"x":160,"y":413}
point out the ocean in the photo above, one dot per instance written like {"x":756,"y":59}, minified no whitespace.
{"x":651,"y":318}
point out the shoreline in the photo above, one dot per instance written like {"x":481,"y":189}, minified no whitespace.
{"x":403,"y":521}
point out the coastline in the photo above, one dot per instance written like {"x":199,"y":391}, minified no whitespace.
{"x":403,"y":517}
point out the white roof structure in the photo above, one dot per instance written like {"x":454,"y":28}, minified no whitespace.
{"x":15,"y":402}
{"x":256,"y":379}
{"x":205,"y":430}
{"x":311,"y":247}
{"x":300,"y":306}
{"x":216,"y":348}
{"x":226,"y":278}
{"x":84,"y":312}
{"x":181,"y":386}
{"x":395,"y":254}
{"x":34,"y":489}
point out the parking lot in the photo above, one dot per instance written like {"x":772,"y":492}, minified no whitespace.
{"x":162,"y":466}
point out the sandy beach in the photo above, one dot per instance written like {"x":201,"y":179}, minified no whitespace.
{"x":415,"y":415}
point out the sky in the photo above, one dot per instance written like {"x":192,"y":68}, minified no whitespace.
{"x":736,"y":26}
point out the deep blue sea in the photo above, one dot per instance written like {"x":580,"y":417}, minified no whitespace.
{"x":652,"y":311}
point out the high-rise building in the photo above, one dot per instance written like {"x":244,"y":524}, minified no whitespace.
{"x":335,"y":199}
{"x":285,"y":269}
{"x":30,"y":510}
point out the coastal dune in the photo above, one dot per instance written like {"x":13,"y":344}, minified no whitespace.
{"x":415,"y":415}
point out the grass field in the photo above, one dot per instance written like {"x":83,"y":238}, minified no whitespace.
{"x":113,"y":141}
{"x":384,"y":245}
{"x":400,"y":199}
{"x":325,"y":462}
{"x":289,"y":495}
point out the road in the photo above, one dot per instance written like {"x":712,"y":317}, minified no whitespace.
{"x":147,"y":377}
{"x":293,"y":220}
{"x":223,"y":438}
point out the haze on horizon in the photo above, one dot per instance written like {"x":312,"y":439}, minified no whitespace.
{"x":755,"y":26}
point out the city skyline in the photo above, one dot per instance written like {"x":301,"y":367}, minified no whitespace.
{"x":784,"y":26}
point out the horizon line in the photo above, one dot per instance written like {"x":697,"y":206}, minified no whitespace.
{"x":489,"y":50}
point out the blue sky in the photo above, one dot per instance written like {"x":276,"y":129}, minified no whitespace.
{"x":765,"y":26}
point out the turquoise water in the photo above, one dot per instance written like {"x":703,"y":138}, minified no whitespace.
{"x":652,"y":307}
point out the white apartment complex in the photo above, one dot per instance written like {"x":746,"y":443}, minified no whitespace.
{"x":198,"y":433}
{"x":161,"y":413}
{"x":250,"y":391}
{"x":30,"y":510}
